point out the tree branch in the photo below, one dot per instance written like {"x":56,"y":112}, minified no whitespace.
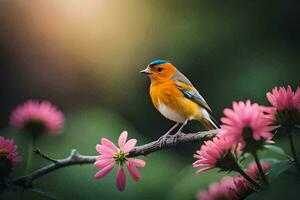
{"x":172,"y":142}
{"x":77,"y":159}
{"x":38,"y":152}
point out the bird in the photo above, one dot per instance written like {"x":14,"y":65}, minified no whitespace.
{"x":175,"y":97}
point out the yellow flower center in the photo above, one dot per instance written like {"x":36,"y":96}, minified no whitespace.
{"x":3,"y":152}
{"x":120,"y":157}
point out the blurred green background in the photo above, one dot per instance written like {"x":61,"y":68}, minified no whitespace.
{"x":85,"y":57}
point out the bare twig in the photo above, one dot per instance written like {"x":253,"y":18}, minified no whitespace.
{"x":38,"y":152}
{"x":77,"y":159}
{"x":73,"y":159}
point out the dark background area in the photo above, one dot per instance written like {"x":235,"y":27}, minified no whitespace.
{"x":85,"y":57}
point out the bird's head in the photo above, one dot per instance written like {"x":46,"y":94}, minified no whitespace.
{"x":159,"y":71}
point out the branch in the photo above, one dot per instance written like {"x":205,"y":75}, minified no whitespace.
{"x":38,"y":152}
{"x":77,"y":159}
{"x":172,"y":142}
{"x":73,"y":159}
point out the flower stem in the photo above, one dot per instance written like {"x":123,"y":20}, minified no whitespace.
{"x":248,"y":178}
{"x":296,"y":161}
{"x":260,"y":169}
{"x":31,"y":145}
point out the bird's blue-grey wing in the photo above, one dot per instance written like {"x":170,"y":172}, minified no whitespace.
{"x":187,"y":88}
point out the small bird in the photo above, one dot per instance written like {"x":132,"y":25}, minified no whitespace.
{"x":175,"y":97}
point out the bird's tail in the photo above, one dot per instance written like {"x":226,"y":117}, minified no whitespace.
{"x":210,"y":123}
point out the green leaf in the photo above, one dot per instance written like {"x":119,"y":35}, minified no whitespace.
{"x":279,"y":167}
{"x":271,"y":160}
{"x":277,"y":150}
{"x":44,"y":193}
{"x":244,"y":157}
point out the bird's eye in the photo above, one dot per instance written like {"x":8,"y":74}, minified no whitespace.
{"x":159,"y":69}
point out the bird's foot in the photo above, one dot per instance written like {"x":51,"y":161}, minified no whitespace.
{"x":176,"y":136}
{"x":163,"y":139}
{"x":179,"y":132}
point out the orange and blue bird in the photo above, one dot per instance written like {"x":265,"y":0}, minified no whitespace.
{"x":175,"y":97}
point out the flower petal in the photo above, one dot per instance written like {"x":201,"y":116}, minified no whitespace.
{"x":109,"y":144}
{"x":103,"y":172}
{"x":104,"y":150}
{"x":129,"y":145}
{"x":122,"y":139}
{"x":137,"y":162}
{"x":104,"y":162}
{"x":121,"y":179}
{"x":203,"y":170}
{"x":133,"y":171}
{"x":103,"y":157}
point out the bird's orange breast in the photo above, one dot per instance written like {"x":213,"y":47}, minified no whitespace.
{"x":171,"y":102}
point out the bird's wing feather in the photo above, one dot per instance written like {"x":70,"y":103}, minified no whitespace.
{"x":186,"y":87}
{"x":178,"y":76}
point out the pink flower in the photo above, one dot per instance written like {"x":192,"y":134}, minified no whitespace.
{"x":112,"y":156}
{"x":8,"y":156}
{"x":37,"y":117}
{"x":284,"y":98}
{"x":253,"y":172}
{"x":241,"y":189}
{"x":215,"y":153}
{"x":270,"y":113}
{"x":286,"y":106}
{"x":228,"y":188}
{"x":218,"y":190}
{"x":245,"y":123}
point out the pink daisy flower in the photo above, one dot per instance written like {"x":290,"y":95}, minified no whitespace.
{"x":270,"y":113}
{"x":286,"y":106}
{"x":228,"y":188}
{"x":286,"y":113}
{"x":112,"y":156}
{"x":253,"y":172}
{"x":37,"y":117}
{"x":283,"y":98}
{"x":216,"y":153}
{"x":218,"y":190}
{"x":241,"y":188}
{"x":246,"y":124}
{"x":8,"y":156}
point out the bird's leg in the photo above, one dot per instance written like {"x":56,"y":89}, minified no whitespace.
{"x":162,"y":139}
{"x":179,"y":132}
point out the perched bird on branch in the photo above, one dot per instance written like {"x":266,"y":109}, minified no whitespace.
{"x":174,"y":96}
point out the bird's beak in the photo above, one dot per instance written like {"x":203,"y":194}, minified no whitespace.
{"x":146,"y":71}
